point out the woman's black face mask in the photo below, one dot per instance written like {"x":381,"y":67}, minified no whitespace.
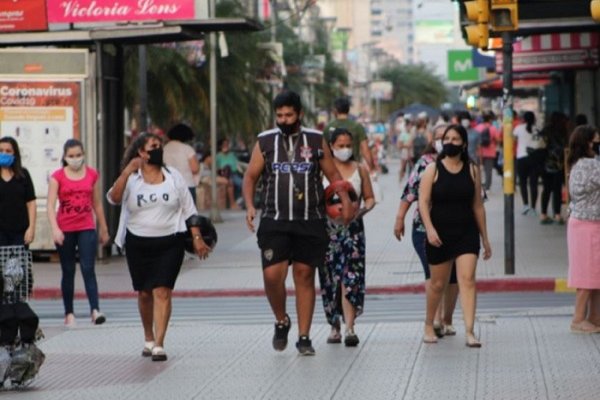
{"x":156,"y":156}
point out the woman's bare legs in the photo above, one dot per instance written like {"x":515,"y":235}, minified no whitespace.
{"x":440,"y":274}
{"x":465,"y":271}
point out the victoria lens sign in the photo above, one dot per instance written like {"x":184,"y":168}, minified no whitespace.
{"x":22,"y":15}
{"x":73,"y":11}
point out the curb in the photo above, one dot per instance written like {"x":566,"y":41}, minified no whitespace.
{"x":557,"y":285}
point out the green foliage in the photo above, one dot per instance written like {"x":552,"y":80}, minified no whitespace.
{"x":413,"y":83}
{"x":178,"y":91}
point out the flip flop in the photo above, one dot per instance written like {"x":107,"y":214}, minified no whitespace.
{"x":430,"y":339}
{"x":438,"y":329}
{"x":473,"y":343}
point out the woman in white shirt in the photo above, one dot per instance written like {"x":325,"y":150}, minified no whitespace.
{"x":181,"y":155}
{"x":529,"y":161}
{"x":155,"y":203}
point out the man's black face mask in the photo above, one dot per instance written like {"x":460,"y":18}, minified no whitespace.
{"x":288,"y":129}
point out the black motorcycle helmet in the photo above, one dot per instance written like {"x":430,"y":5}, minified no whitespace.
{"x":207,"y":230}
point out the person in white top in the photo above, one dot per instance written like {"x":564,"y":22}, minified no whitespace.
{"x":177,"y":153}
{"x":344,"y":272}
{"x":155,"y":203}
{"x":530,"y":160}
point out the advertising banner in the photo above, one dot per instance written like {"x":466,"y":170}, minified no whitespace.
{"x":74,"y":11}
{"x":460,"y":66}
{"x":434,"y":31}
{"x":22,"y":15}
{"x":40,"y":116}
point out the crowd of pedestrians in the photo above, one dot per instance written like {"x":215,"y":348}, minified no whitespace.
{"x":301,"y":170}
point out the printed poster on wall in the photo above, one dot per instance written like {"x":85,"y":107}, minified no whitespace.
{"x":22,"y":15}
{"x":40,"y":116}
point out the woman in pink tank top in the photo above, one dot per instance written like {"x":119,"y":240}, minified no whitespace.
{"x":75,"y":186}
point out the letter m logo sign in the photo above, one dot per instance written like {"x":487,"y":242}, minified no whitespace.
{"x":460,"y":66}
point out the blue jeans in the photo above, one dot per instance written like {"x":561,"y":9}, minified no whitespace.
{"x":86,"y":243}
{"x":418,"y":239}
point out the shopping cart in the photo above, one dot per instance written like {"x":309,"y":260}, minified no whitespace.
{"x":20,"y":358}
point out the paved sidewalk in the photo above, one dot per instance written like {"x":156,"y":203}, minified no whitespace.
{"x":528,"y":355}
{"x":392,"y":266}
{"x":523,"y":357}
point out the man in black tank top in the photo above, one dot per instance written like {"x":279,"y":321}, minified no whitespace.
{"x":289,"y":159}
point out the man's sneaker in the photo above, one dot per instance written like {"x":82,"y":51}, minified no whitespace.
{"x":304,"y":346}
{"x":351,"y":340}
{"x":280,"y":338}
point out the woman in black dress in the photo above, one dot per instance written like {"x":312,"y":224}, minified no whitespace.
{"x":452,"y":210}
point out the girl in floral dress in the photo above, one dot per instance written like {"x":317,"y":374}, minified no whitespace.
{"x":342,"y":277}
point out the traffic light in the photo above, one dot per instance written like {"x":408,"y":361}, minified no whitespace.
{"x":504,"y":15}
{"x":595,"y":10}
{"x":477,"y":11}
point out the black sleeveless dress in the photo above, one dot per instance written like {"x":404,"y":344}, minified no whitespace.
{"x":452,"y":215}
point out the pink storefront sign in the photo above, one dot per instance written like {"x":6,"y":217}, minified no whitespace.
{"x":73,"y":11}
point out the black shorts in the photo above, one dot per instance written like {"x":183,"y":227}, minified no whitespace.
{"x":302,"y":241}
{"x":154,"y":261}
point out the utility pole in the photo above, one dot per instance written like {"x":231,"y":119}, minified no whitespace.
{"x":143,"y":88}
{"x":215,"y":216}
{"x":273,"y":17}
{"x":509,"y":168}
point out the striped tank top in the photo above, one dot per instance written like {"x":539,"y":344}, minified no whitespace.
{"x":292,"y":188}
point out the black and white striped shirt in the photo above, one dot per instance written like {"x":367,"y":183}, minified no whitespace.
{"x":292,"y":186}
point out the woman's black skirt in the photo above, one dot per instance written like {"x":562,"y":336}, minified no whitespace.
{"x":154,"y":261}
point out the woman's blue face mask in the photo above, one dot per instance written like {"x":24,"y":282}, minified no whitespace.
{"x":6,"y":160}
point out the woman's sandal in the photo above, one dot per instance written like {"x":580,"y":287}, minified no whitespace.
{"x":449,"y":330}
{"x":158,"y":354}
{"x":473,"y":343}
{"x":430,"y":339}
{"x":147,"y":351}
{"x":438,"y":329}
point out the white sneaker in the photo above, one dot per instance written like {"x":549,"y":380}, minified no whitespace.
{"x":525,"y":210}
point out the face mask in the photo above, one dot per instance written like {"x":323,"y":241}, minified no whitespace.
{"x":6,"y":160}
{"x":596,"y":148}
{"x":75,"y":163}
{"x":156,"y":156}
{"x":465,"y":123}
{"x":438,"y":146}
{"x":452,"y":149}
{"x":342,"y":154}
{"x":288,"y":129}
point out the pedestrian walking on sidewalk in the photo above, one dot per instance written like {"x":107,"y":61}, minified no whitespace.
{"x":451,"y":206}
{"x":555,"y":136}
{"x":342,"y":278}
{"x":583,"y":229}
{"x":442,"y":323}
{"x":17,"y":197}
{"x":155,"y":203}
{"x":530,"y":158}
{"x":490,"y":140}
{"x":292,"y":228}
{"x":80,"y":208}
{"x":179,"y":154}
{"x":342,"y":119}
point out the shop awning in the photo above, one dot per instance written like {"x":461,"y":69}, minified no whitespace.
{"x":520,"y":82}
{"x":167,"y":31}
